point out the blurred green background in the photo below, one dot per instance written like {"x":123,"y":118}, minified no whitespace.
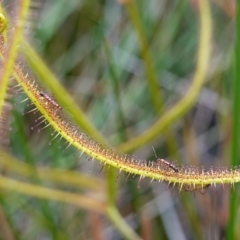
{"x":102,"y":53}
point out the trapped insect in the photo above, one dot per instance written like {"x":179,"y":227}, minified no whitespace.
{"x":49,"y":99}
{"x":165,"y":162}
{"x":168,"y":164}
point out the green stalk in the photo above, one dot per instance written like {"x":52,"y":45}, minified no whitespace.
{"x":11,"y":53}
{"x":235,"y":125}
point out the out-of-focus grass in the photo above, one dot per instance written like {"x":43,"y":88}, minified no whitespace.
{"x":93,"y":48}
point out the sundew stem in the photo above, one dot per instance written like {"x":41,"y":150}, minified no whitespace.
{"x":188,"y":178}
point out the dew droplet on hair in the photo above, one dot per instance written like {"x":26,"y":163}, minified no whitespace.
{"x":57,"y":134}
{"x":32,"y":128}
{"x":46,"y":126}
{"x":36,"y":120}
{"x":24,"y":100}
{"x":34,"y":110}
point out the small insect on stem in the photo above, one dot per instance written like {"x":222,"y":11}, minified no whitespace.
{"x":49,"y":99}
{"x":165,"y":162}
{"x":168,"y":164}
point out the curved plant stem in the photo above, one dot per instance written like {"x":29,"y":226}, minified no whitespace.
{"x":50,"y":81}
{"x":189,"y":99}
{"x":235,"y":141}
{"x":11,"y":52}
{"x":51,"y":194}
{"x":190,"y":179}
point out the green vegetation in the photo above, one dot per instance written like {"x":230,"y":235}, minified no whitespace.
{"x":131,"y":75}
